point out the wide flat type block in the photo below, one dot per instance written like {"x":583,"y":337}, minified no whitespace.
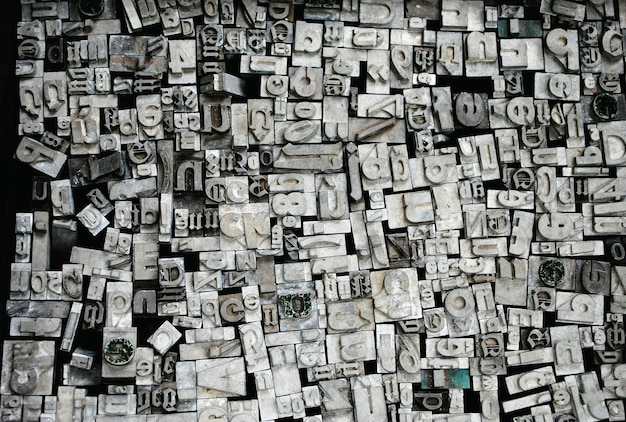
{"x":530,"y":380}
{"x":40,"y":157}
{"x":220,"y":378}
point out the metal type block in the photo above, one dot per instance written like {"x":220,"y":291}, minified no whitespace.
{"x":23,"y":237}
{"x":462,"y":16}
{"x":516,"y":112}
{"x":307,"y":45}
{"x":171,"y":306}
{"x":171,"y":272}
{"x":584,"y":309}
{"x":145,"y":253}
{"x":526,"y":401}
{"x":384,"y":14}
{"x":335,"y":398}
{"x":568,"y":358}
{"x":210,"y":309}
{"x":181,"y":65}
{"x":521,"y":54}
{"x":369,"y":387}
{"x":284,"y":338}
{"x":485,"y":303}
{"x":132,"y":188}
{"x":449,"y":54}
{"x":297,"y":306}
{"x":305,"y":83}
{"x":350,"y":316}
{"x":72,"y":282}
{"x":71,"y":327}
{"x":460,"y":314}
{"x":119,"y":304}
{"x":266,"y":395}
{"x":513,"y":199}
{"x":390,"y":290}
{"x":366,"y":38}
{"x":209,"y":334}
{"x":264,"y":65}
{"x":40,"y":157}
{"x":38,"y":327}
{"x":361,"y":242}
{"x":145,"y":366}
{"x":118,"y":350}
{"x":254,"y":347}
{"x":564,"y":9}
{"x":310,"y":354}
{"x":530,"y":380}
{"x":164,"y":337}
{"x":284,"y":368}
{"x":379,"y":105}
{"x":577,"y":248}
{"x":447,"y":207}
{"x":211,"y":349}
{"x":92,"y":219}
{"x":390,"y":130}
{"x":343,"y":61}
{"x":561,"y":51}
{"x":401,"y":58}
{"x":224,"y":377}
{"x":350,"y":347}
{"x":117,"y":404}
{"x":481,"y":54}
{"x":31,"y":309}
{"x":433,"y":170}
{"x":35,"y":360}
{"x":557,"y":86}
{"x":378,"y":72}
{"x":321,"y":246}
{"x":449,"y":348}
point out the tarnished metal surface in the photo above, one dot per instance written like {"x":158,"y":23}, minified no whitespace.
{"x":344,"y":210}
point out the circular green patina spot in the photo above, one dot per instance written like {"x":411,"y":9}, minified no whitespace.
{"x":119,"y":351}
{"x":552,"y":272}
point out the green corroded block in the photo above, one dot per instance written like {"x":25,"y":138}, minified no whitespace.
{"x":527,"y":29}
{"x":119,"y":351}
{"x":296,"y":305}
{"x":445,"y":378}
{"x":552,"y":272}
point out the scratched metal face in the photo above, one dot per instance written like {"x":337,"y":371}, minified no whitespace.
{"x":338,"y":210}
